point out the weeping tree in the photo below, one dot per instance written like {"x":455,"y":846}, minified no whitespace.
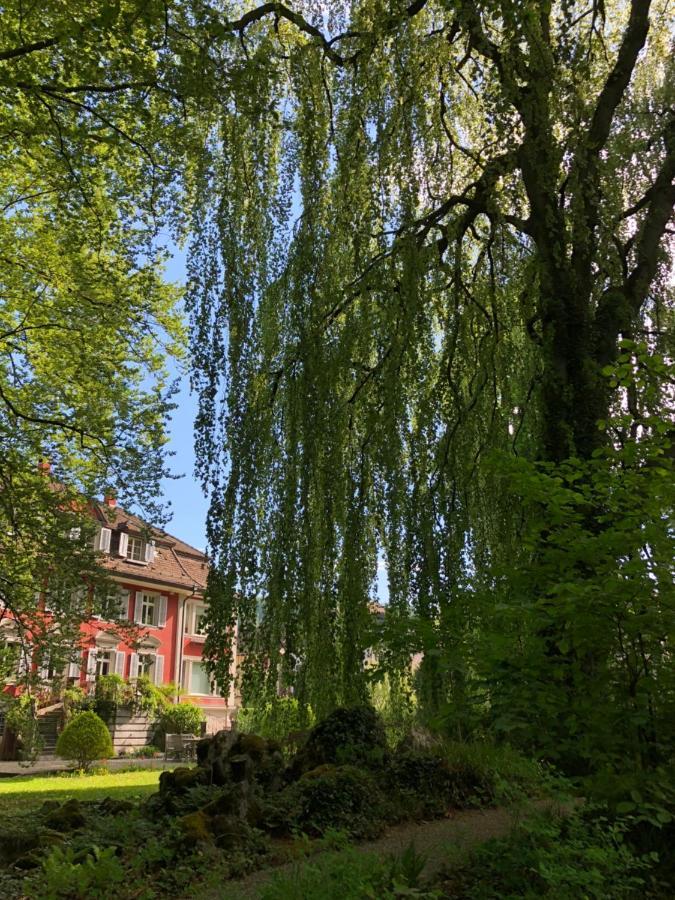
{"x":426,"y":234}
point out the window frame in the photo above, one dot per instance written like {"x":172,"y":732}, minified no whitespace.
{"x":186,"y":678}
{"x":149,"y":601}
{"x":192,"y":613}
{"x":135,"y":541}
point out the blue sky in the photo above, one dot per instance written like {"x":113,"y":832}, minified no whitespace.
{"x":188,"y":505}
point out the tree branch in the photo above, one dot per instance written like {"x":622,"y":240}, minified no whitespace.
{"x":16,"y":52}
{"x":633,"y":41}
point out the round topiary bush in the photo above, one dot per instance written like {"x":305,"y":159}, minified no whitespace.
{"x":84,"y":740}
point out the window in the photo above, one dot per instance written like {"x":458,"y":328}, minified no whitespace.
{"x":111,"y":603}
{"x":146,"y":664}
{"x":148,"y":608}
{"x":195,"y":620}
{"x":196,"y":679}
{"x":135,"y":549}
{"x":104,"y":662}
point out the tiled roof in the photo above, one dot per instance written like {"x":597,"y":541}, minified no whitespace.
{"x":175,"y":562}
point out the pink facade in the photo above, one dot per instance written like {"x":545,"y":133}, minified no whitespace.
{"x":159,"y":584}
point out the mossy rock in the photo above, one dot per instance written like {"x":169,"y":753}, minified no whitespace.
{"x":110,"y":806}
{"x":181,"y":780}
{"x":195,"y":828}
{"x":16,"y":844}
{"x":251,"y":744}
{"x":327,"y":769}
{"x":68,"y":817}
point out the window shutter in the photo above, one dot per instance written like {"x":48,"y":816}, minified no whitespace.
{"x":161,"y":610}
{"x":102,"y":540}
{"x":124,"y":601}
{"x":120,"y":658}
{"x":43,"y":671}
{"x":91,"y":665}
{"x":74,"y":669}
{"x":124,"y":543}
{"x":25,"y":660}
{"x":138,"y":611}
{"x":133,"y":666}
{"x":150,"y":552}
{"x":159,"y":669}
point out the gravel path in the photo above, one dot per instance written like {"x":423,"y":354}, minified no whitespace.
{"x":461,"y":829}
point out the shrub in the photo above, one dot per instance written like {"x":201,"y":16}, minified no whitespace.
{"x":355,"y":736}
{"x":75,"y":700}
{"x":113,"y":689}
{"x":84,"y":740}
{"x":180,"y":718}
{"x":329,"y":798}
{"x":351,"y":875}
{"x":276,"y":720}
{"x":148,"y":697}
{"x":21,"y":719}
{"x":559,"y":858}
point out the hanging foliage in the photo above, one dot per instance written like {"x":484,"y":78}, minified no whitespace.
{"x":422,"y":230}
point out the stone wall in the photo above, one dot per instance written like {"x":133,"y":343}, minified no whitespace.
{"x":130,"y":729}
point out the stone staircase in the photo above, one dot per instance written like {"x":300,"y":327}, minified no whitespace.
{"x":48,"y":725}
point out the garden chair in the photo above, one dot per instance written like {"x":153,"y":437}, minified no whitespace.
{"x":190,"y":742}
{"x":174,"y":746}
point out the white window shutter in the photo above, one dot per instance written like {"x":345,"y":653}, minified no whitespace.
{"x":91,"y":665}
{"x":150,"y":552}
{"x":133,"y":666}
{"x":74,"y":669}
{"x":120,"y":658}
{"x":25,"y":661}
{"x":124,"y":543}
{"x":159,"y":669}
{"x":138,"y":611}
{"x":125,"y":600}
{"x":161,"y":610}
{"x":102,"y":540}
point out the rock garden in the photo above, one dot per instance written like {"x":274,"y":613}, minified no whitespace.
{"x":245,"y":805}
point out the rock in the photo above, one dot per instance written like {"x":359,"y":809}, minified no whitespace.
{"x":67,"y":817}
{"x":241,"y":767}
{"x":28,"y":861}
{"x":181,"y":780}
{"x":195,"y":828}
{"x":49,"y":805}
{"x":112,"y":807}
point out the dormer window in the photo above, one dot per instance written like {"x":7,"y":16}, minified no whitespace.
{"x":136,"y":549}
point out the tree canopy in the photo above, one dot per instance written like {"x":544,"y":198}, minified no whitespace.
{"x":430,"y":297}
{"x":86,"y":319}
{"x":427,"y":233}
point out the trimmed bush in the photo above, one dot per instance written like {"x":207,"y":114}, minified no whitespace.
{"x":84,"y":740}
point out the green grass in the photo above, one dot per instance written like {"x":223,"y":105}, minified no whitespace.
{"x":26,"y":793}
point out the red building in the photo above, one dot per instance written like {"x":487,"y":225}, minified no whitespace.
{"x":159,"y":585}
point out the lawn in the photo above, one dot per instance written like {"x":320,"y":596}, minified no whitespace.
{"x":27,"y":792}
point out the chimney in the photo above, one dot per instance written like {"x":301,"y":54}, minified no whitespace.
{"x":110,"y":501}
{"x":44,"y":467}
